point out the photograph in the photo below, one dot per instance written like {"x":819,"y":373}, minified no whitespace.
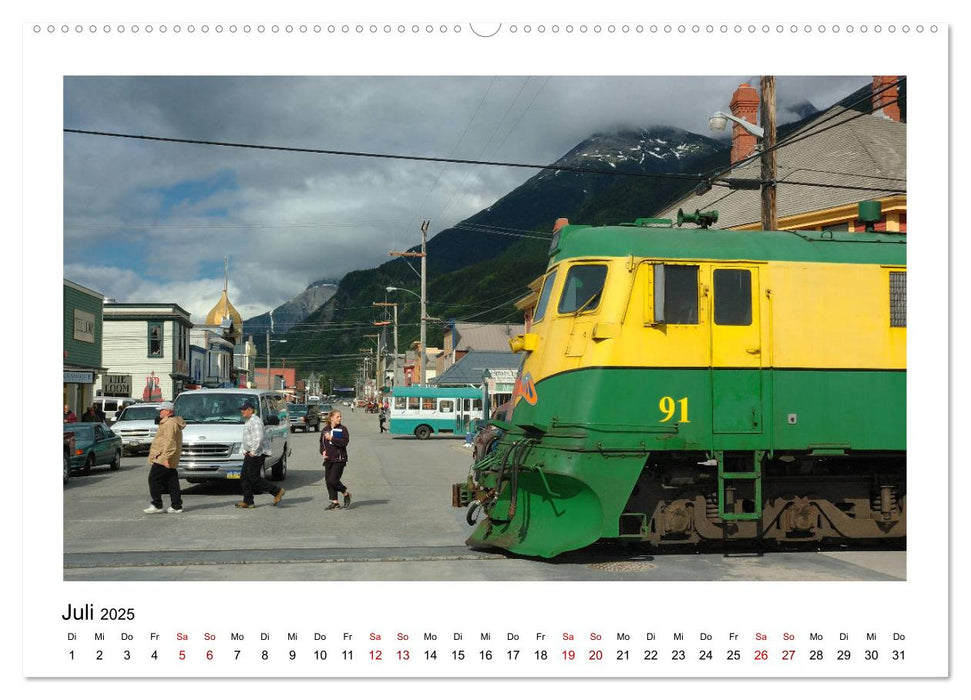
{"x":605,"y":328}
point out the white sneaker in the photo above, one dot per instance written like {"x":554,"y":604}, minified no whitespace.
{"x":153,"y":509}
{"x":173,"y":510}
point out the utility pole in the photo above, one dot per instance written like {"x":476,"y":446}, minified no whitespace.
{"x":424,"y":300}
{"x":395,"y":335}
{"x":424,"y":316}
{"x":269,"y":380}
{"x":767,"y":92}
{"x":377,"y":360}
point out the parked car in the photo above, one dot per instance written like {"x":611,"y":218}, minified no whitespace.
{"x":213,"y":435}
{"x":94,"y":444}
{"x":304,"y":417}
{"x":136,"y":426}
{"x":68,"y":453}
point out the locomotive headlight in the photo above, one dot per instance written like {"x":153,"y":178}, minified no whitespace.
{"x":526,"y":342}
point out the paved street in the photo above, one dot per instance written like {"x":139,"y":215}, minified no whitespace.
{"x":401,"y":526}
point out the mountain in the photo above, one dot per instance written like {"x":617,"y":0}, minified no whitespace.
{"x":801,"y":109}
{"x":552,"y":193}
{"x":292,"y":312}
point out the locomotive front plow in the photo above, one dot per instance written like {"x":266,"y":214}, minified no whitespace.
{"x":540,"y":514}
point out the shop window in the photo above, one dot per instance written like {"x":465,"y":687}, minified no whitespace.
{"x":155,"y":339}
{"x":898,"y":299}
{"x":583,"y":288}
{"x":733,"y":297}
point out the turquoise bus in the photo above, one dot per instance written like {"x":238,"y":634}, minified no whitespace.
{"x":424,"y":410}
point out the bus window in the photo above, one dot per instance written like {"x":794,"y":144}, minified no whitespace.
{"x":400,"y":403}
{"x":476,"y":404}
{"x":428,"y":404}
{"x":446,"y":406}
{"x":413,"y":403}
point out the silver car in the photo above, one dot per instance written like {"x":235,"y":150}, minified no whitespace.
{"x":136,"y":426}
{"x":212,"y":437}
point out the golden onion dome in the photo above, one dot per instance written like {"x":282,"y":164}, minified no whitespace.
{"x":224,"y":309}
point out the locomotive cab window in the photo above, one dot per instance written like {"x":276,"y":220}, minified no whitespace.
{"x":675,"y":294}
{"x":733,"y":297}
{"x":544,"y":297}
{"x":582,"y":289}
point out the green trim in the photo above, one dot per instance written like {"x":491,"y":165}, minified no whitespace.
{"x":708,"y":244}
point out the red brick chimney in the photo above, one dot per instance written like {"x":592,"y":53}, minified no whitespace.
{"x":880,"y":102}
{"x":744,"y":105}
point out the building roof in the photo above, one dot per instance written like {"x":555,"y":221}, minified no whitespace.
{"x":470,"y":368}
{"x":492,"y":337}
{"x":84,"y":290}
{"x":866,"y":151}
{"x":117,"y":311}
{"x":222,"y":310}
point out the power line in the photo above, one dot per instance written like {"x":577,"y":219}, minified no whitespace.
{"x":390,"y":156}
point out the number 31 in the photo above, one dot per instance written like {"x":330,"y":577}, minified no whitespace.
{"x":668,"y":408}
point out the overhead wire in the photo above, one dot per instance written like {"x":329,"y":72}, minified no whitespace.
{"x":389,"y":156}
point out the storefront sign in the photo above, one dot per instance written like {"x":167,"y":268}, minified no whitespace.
{"x":83,"y":326}
{"x":502,"y":375}
{"x":78,"y":377}
{"x":117,"y":385}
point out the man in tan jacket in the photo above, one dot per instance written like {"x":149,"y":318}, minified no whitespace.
{"x":164,"y":456}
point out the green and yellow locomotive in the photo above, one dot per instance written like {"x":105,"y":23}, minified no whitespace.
{"x":690,"y":385}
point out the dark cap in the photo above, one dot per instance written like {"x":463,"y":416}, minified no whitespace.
{"x":249,"y":405}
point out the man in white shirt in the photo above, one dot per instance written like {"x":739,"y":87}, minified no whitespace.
{"x":255,"y":449}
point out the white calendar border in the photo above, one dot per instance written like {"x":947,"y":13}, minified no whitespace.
{"x":927,"y":556}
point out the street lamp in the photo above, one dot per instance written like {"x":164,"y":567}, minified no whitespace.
{"x":765,"y":144}
{"x":719,"y":120}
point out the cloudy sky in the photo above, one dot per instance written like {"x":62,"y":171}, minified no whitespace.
{"x":152,"y":222}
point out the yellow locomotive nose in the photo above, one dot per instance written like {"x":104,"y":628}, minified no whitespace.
{"x":524,"y":343}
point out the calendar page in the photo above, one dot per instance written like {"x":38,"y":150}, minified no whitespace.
{"x":444,"y":344}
